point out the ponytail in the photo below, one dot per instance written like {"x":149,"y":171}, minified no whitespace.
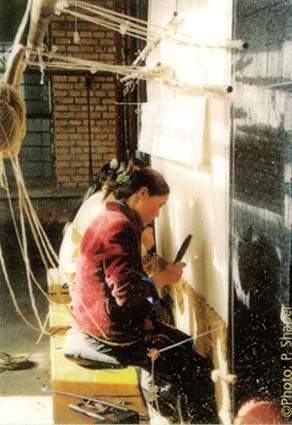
{"x":127,"y":184}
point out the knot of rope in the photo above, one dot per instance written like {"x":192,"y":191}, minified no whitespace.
{"x":228,"y":378}
{"x":124,"y":27}
{"x":42,"y":66}
{"x":8,"y":362}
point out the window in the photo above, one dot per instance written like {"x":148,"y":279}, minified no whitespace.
{"x":36,"y":155}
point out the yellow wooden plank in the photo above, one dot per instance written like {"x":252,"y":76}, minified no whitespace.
{"x":114,"y":385}
{"x":58,"y":292}
{"x":60,"y":316}
{"x":67,"y":371}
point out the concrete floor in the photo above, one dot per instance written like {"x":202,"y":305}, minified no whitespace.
{"x":24,"y":387}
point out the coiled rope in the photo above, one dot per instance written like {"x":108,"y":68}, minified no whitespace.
{"x":12,"y":120}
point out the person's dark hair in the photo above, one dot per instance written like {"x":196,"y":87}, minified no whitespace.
{"x":130,"y":166}
{"x":127,"y":184}
{"x":125,"y":168}
{"x":107,"y":173}
{"x":106,"y":179}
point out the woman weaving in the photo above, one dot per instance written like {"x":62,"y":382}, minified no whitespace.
{"x":115,"y":302}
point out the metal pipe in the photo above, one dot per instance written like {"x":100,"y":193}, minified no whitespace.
{"x":94,"y":400}
{"x":86,"y":412}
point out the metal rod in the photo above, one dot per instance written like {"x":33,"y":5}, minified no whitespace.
{"x":90,"y":161}
{"x":85,"y":412}
{"x":94,"y":400}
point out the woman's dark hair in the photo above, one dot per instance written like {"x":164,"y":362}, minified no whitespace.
{"x":106,"y":179}
{"x":145,"y":177}
{"x":107,"y":173}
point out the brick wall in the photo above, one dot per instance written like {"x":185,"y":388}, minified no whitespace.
{"x":71,"y":109}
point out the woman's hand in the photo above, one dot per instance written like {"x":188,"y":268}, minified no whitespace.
{"x":171,"y":274}
{"x":153,"y":353}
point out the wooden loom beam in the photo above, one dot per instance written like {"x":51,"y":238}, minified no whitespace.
{"x":41,"y":14}
{"x":30,"y":34}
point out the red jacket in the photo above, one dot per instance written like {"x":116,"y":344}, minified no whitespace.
{"x":110,"y":300}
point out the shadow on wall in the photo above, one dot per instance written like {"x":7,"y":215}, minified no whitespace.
{"x":257,"y":362}
{"x":259,"y":165}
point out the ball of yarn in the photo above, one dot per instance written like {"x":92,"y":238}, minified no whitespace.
{"x":12,"y":120}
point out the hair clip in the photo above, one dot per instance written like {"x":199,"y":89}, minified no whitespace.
{"x":123,"y":178}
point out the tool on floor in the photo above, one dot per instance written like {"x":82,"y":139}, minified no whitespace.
{"x":115,"y":417}
{"x":8,"y":362}
{"x":94,"y":415}
{"x":98,"y":401}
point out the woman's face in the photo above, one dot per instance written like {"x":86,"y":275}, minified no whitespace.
{"x":148,"y":207}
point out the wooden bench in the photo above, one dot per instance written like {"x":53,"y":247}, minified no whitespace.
{"x":119,"y":385}
{"x":60,"y":317}
{"x":122,"y":384}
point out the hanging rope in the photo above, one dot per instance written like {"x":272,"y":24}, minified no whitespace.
{"x":22,"y":242}
{"x":76,"y":35}
{"x":20,"y":362}
{"x":138,"y":28}
{"x":162,"y":74}
{"x":153,"y":35}
{"x":12,"y":294}
{"x":40,"y":236}
{"x":25,"y":207}
{"x":27,"y":268}
{"x":17,"y":232}
{"x":41,"y":241}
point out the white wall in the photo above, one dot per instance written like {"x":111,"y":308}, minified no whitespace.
{"x":200,"y":126}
